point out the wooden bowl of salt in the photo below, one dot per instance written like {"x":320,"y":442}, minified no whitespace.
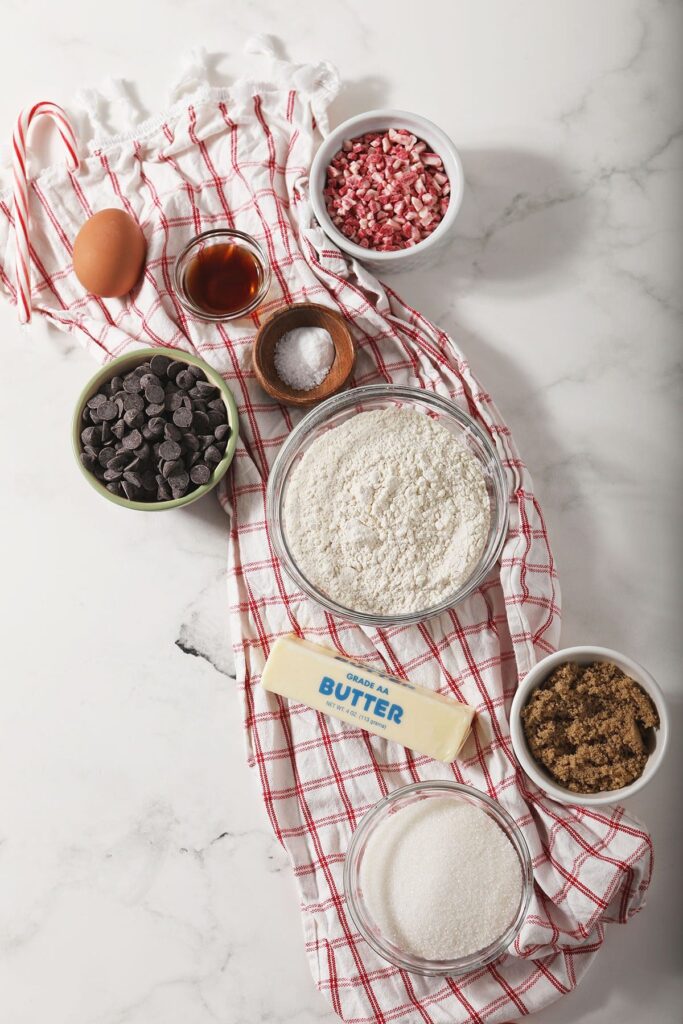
{"x":304,"y":315}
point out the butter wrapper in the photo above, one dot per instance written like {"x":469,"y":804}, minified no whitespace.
{"x":419,"y":719}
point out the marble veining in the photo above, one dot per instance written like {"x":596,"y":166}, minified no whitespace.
{"x":142,"y":884}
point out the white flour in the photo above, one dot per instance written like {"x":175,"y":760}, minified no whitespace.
{"x":387,"y":513}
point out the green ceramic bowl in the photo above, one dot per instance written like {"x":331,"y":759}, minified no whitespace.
{"x":122,"y":365}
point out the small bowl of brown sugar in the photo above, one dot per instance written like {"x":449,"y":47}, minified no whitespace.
{"x":589,"y":726}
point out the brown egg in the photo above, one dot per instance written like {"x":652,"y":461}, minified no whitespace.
{"x":109,"y":253}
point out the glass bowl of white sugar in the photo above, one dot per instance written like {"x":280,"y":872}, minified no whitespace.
{"x":438,"y":879}
{"x":388,"y":505}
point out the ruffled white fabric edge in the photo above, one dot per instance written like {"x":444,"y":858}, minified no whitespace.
{"x":109,"y":116}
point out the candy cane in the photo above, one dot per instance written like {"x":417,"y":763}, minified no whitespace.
{"x":21,"y":214}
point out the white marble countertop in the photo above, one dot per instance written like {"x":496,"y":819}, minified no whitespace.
{"x":140,"y":881}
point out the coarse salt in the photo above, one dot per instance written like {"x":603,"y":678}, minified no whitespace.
{"x":304,"y":357}
{"x":441,"y":879}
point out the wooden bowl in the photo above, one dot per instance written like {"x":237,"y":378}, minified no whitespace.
{"x":305,"y":314}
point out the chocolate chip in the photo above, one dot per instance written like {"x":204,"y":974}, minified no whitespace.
{"x":185,"y":380}
{"x":200,"y":423}
{"x":130,"y":491}
{"x":200,"y":474}
{"x":91,"y":435}
{"x":133,"y":419}
{"x":155,"y":393}
{"x":155,"y":408}
{"x":169,"y":450}
{"x":119,"y":429}
{"x":174,"y":400}
{"x":172,"y":432}
{"x":105,"y":456}
{"x":120,"y":461}
{"x":156,"y":426}
{"x":180,"y":478}
{"x":107,"y":410}
{"x":173,"y":369}
{"x":159,"y":365}
{"x":131,"y":383}
{"x":88,"y":460}
{"x":222,"y":431}
{"x":212,"y":454}
{"x":133,"y":403}
{"x":191,"y":442}
{"x":96,"y":400}
{"x":132,"y":440}
{"x":112,"y":474}
{"x":171,"y":467}
{"x":206,"y":390}
{"x":183,"y":418}
{"x":115,"y":488}
{"x":115,"y":384}
{"x":216,"y":417}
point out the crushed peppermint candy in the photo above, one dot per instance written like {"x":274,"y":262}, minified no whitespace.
{"x":386,"y":190}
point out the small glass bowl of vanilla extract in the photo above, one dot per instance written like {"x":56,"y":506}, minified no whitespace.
{"x":221,"y":275}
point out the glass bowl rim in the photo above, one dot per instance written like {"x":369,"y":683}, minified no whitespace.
{"x":408,"y":961}
{"x":315,"y":418}
{"x":182,"y":257}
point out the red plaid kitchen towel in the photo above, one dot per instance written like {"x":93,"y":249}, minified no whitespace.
{"x":240,"y":157}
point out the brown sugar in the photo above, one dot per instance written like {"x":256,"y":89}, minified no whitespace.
{"x":586,"y":726}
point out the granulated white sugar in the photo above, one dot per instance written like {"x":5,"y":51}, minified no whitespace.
{"x":388,"y":513}
{"x":441,"y":879}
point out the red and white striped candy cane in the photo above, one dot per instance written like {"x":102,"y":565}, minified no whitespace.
{"x":21,"y":214}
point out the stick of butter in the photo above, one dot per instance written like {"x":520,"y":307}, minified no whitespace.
{"x":322,"y":679}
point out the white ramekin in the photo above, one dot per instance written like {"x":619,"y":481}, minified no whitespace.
{"x":379,"y":120}
{"x":586,"y":656}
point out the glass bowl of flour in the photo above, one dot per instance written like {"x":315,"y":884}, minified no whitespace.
{"x":387,"y":505}
{"x":438,"y":879}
